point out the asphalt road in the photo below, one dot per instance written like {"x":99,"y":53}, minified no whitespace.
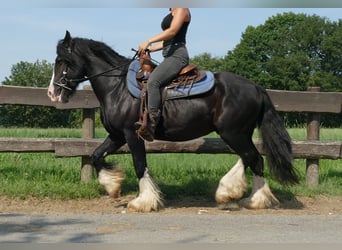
{"x":167,"y":228}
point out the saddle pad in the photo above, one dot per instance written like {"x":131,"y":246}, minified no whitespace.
{"x":200,"y":87}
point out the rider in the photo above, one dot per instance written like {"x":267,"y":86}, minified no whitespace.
{"x":172,"y":41}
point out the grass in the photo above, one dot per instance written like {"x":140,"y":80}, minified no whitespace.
{"x":44,"y":175}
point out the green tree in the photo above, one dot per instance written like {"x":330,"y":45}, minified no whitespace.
{"x":332,"y":64}
{"x":206,"y":62}
{"x":292,"y":52}
{"x":35,"y":74}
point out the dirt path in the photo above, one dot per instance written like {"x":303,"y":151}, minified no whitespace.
{"x":321,"y":205}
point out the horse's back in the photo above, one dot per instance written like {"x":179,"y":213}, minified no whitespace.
{"x":234,"y":101}
{"x":233,"y":83}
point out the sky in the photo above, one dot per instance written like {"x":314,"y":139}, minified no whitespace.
{"x":31,"y":33}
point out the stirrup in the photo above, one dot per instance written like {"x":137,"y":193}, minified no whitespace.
{"x":144,"y":134}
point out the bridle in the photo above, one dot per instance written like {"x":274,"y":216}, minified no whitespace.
{"x":64,"y":80}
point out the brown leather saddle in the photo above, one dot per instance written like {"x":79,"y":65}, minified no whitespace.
{"x":186,"y":77}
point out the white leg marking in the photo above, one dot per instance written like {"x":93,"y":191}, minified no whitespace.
{"x":111,"y":180}
{"x":261,"y":195}
{"x":149,"y":198}
{"x":233,"y":185}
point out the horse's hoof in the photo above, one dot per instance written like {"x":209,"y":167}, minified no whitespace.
{"x":136,"y":205}
{"x":259,"y":202}
{"x":111,"y":181}
{"x":131,"y":207}
{"x":261,"y":196}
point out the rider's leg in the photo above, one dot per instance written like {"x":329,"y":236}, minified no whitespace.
{"x":163,"y":74}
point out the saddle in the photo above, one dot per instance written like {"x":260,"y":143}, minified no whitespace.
{"x":186,"y":77}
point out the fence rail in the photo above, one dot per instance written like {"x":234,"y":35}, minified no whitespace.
{"x":312,"y":102}
{"x":287,"y":101}
{"x":74,"y":147}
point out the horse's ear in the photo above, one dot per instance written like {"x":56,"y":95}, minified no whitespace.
{"x":67,"y":39}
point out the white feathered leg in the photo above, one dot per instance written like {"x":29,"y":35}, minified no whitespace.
{"x":261,"y":195}
{"x":233,"y":185}
{"x":149,"y":198}
{"x":111,"y":181}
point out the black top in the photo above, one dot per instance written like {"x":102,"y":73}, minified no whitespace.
{"x":180,"y":36}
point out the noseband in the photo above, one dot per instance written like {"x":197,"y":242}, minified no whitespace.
{"x":63,"y":81}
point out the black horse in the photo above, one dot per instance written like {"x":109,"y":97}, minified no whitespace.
{"x":233,"y":108}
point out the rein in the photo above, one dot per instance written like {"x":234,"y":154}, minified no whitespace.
{"x":64,"y":80}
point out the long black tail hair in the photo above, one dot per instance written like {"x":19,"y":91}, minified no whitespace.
{"x":276,"y":143}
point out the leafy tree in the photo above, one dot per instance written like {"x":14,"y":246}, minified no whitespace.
{"x":291,"y":52}
{"x":35,"y":74}
{"x":206,"y":62}
{"x":332,"y":64}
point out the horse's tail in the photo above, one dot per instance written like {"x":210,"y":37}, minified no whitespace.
{"x":276,"y":143}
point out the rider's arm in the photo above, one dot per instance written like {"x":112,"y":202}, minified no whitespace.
{"x":156,"y":46}
{"x":180,"y":15}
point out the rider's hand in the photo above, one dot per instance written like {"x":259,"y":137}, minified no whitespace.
{"x":143,"y":47}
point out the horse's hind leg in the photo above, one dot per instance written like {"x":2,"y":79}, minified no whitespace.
{"x":261,"y":195}
{"x":233,"y":185}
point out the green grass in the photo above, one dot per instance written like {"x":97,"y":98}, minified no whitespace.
{"x":44,"y":175}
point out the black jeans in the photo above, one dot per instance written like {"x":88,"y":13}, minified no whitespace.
{"x":175,"y":58}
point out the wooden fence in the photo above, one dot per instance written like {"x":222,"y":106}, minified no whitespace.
{"x":312,"y":102}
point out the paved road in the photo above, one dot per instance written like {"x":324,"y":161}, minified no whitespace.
{"x":166,"y":228}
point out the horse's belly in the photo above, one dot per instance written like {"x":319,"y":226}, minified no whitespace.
{"x":183,"y":131}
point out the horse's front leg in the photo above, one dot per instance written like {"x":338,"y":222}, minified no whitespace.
{"x":149,"y":197}
{"x":109,"y":176}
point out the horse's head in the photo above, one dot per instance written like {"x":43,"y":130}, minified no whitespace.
{"x":68,"y":71}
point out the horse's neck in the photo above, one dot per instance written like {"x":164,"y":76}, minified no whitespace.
{"x":104,"y":86}
{"x":110,"y":82}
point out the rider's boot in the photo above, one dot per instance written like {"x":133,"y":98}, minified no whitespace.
{"x":147,"y":133}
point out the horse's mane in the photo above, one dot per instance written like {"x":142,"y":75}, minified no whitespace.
{"x":98,"y":49}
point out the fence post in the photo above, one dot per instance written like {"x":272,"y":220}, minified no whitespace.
{"x":88,"y":132}
{"x":312,"y":165}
